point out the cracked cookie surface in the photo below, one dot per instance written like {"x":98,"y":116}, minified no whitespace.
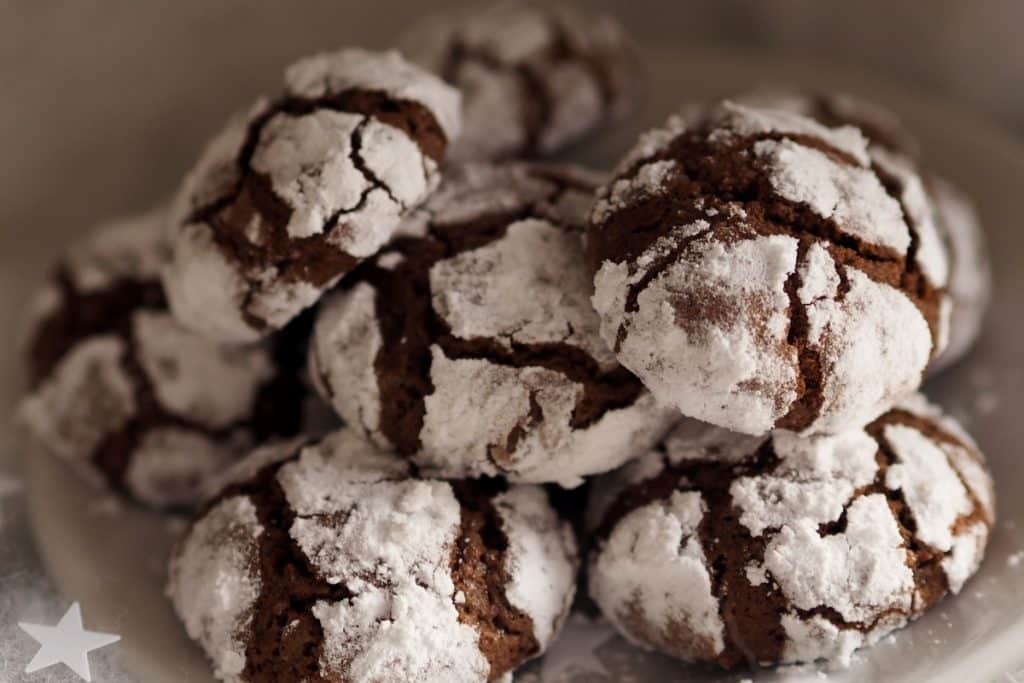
{"x":534,"y":78}
{"x":333,"y":561}
{"x":759,"y":270}
{"x":469,"y":344}
{"x":970,"y":275}
{"x":758,"y":550}
{"x":128,"y":396}
{"x":293,"y":194}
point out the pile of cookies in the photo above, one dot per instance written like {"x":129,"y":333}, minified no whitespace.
{"x":382,"y":352}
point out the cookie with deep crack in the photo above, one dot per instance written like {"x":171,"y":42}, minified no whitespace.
{"x":970,"y":274}
{"x":334,"y":562}
{"x":734,"y":549}
{"x":759,"y":270}
{"x":469,"y":344}
{"x":534,"y":77}
{"x":124,"y":393}
{"x":293,"y":194}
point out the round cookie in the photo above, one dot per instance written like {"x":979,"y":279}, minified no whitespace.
{"x":970,"y":275}
{"x":534,"y":77}
{"x":292,"y":195}
{"x":759,"y":270}
{"x":334,"y":562}
{"x":469,"y":344}
{"x":128,"y":396}
{"x":733,"y":549}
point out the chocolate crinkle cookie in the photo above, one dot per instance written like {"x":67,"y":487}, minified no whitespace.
{"x":733,"y":549}
{"x":534,"y":77}
{"x":131,"y":398}
{"x":469,"y":344}
{"x":759,"y":270}
{"x":970,"y":274}
{"x":333,"y":562}
{"x":292,"y":195}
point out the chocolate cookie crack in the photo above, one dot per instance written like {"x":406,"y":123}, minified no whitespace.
{"x":81,"y":315}
{"x":924,"y":561}
{"x":313,"y":258}
{"x":479,"y":569}
{"x":285,"y":640}
{"x":719,"y":177}
{"x":111,"y":311}
{"x":810,"y":388}
{"x":751,"y":614}
{"x":927,"y":297}
{"x":410,"y":328}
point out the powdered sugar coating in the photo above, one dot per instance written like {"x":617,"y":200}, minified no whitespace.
{"x":342,"y":354}
{"x":876,"y":344}
{"x":337,"y":173}
{"x":475,"y":293}
{"x":333,"y":72}
{"x":957,"y":232}
{"x":510,"y":352}
{"x":772,"y":284}
{"x":816,"y":536}
{"x":388,"y":541}
{"x":214,"y":582}
{"x":710,"y":368}
{"x":860,"y":573}
{"x":851,"y":196}
{"x":541,"y":559}
{"x":653,"y":547}
{"x":391,"y":552}
{"x":88,"y":396}
{"x":736,"y":119}
{"x":476,"y":404}
{"x":211,"y":385}
{"x":812,"y":481}
{"x":534,"y":77}
{"x":126,"y":394}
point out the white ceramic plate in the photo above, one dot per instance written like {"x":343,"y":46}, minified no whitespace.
{"x":113,"y":563}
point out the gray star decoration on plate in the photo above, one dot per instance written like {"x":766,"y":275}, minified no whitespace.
{"x":66,"y":643}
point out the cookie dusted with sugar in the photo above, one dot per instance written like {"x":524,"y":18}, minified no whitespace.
{"x":291,"y":196}
{"x":733,"y":549}
{"x":469,"y":345}
{"x":128,"y":396}
{"x":759,"y":270}
{"x":333,"y":562}
{"x":534,"y":77}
